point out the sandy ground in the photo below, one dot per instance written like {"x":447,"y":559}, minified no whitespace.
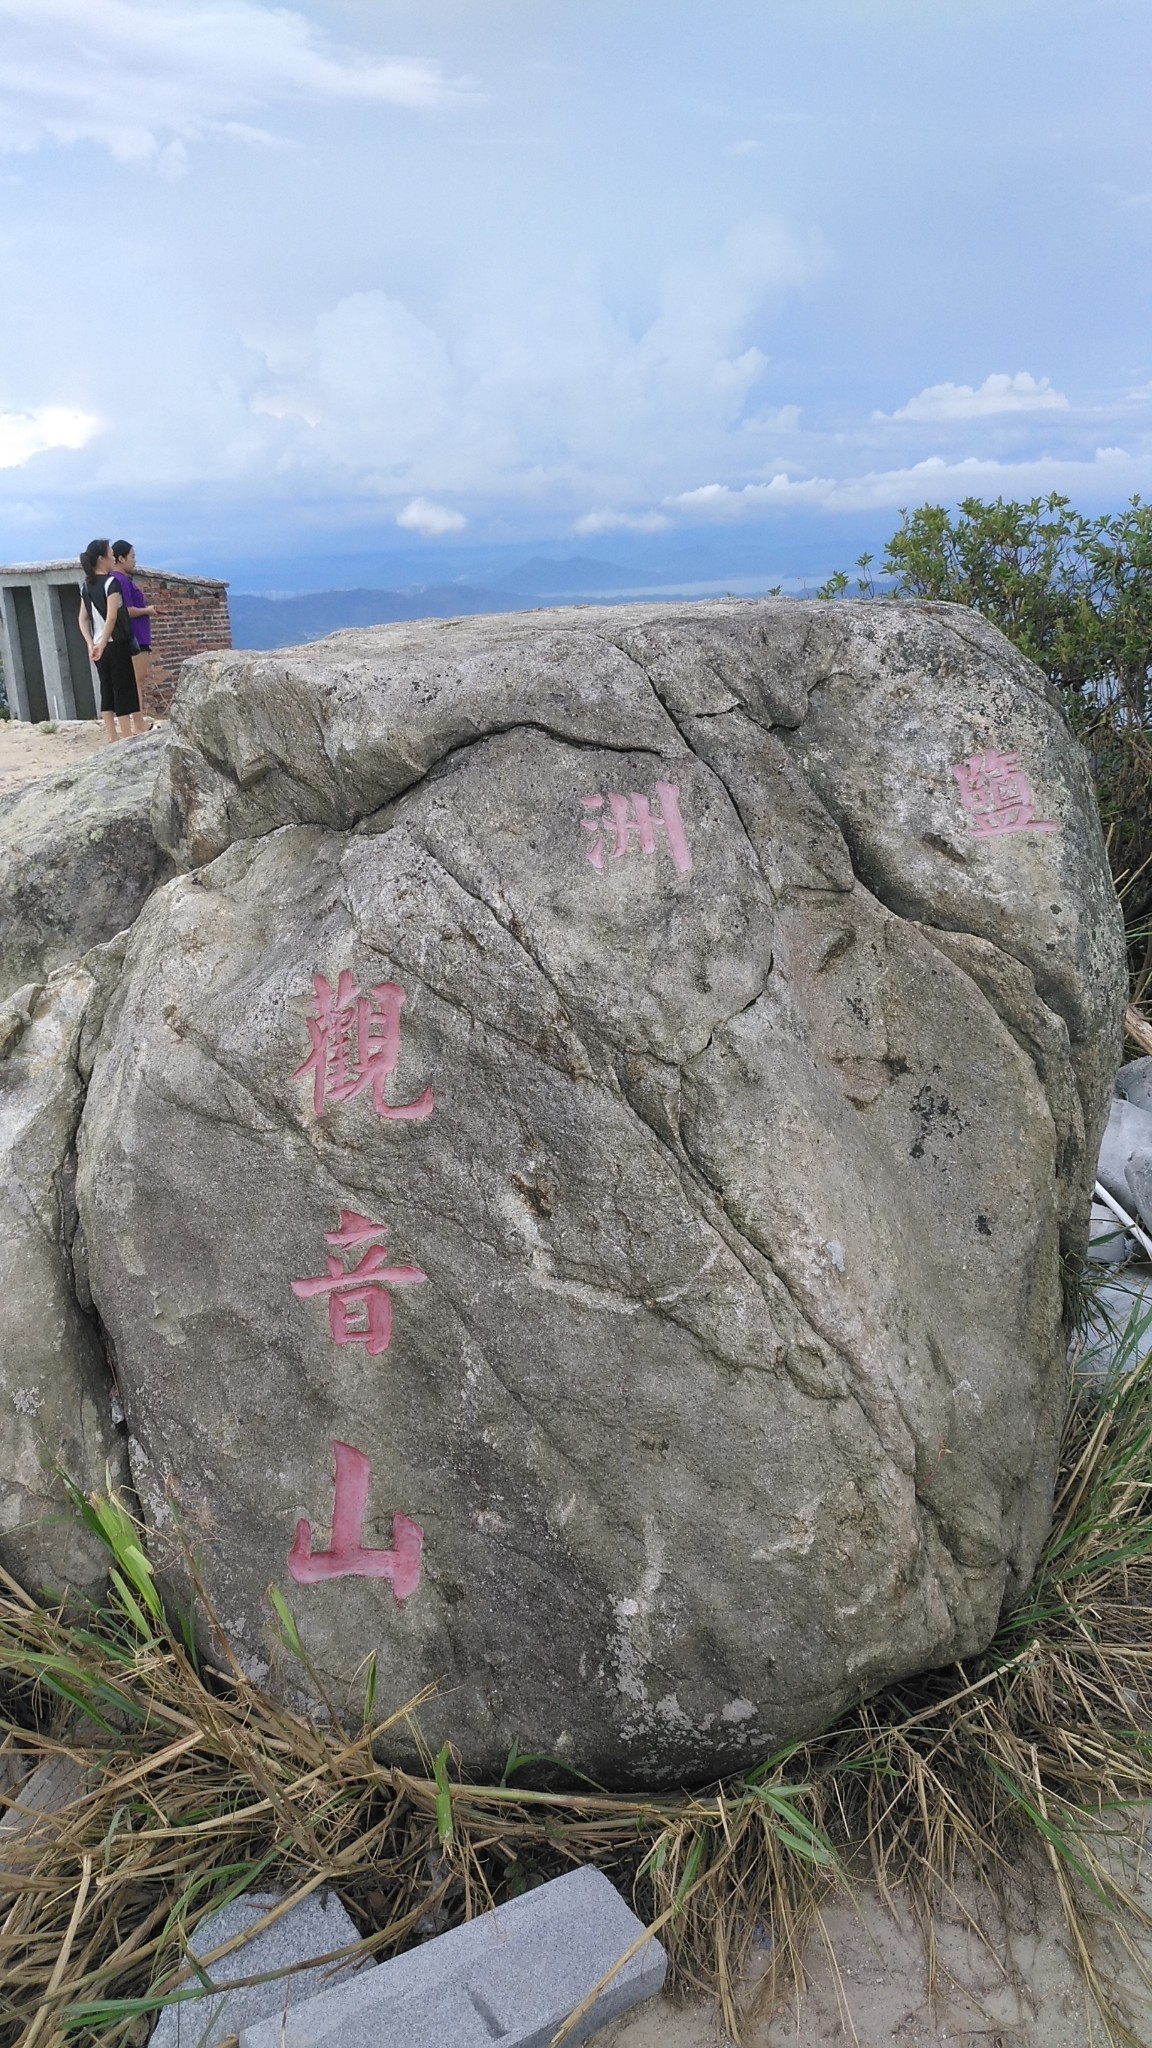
{"x":1002,"y":1981}
{"x":28,"y":751}
{"x":1018,"y":1987}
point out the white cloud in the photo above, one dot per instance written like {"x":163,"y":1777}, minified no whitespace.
{"x":422,"y":516}
{"x":525,"y":383}
{"x":783,"y":420}
{"x":1140,"y":201}
{"x":997,"y":395}
{"x":142,"y":78}
{"x":1109,"y":470}
{"x":534,"y":386}
{"x":621,"y":522}
{"x":25,"y":434}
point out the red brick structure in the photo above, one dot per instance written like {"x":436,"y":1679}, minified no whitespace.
{"x":43,"y":658}
{"x":191,"y":618}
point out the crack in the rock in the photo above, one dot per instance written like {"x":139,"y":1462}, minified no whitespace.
{"x":722,"y":1023}
{"x":1041,"y":1058}
{"x":71,"y":1228}
{"x":607,"y":1075}
{"x":518,"y":939}
{"x":350,"y":821}
{"x":697,"y":756}
{"x":457,"y":1003}
{"x":514,"y":1397}
{"x":856,"y":1384}
{"x":1048,"y":992}
{"x":207,"y":1113}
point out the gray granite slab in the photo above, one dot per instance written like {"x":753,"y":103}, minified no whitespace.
{"x":314,"y":1927}
{"x":512,"y":1976}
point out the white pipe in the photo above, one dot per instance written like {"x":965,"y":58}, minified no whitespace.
{"x":1123,"y":1217}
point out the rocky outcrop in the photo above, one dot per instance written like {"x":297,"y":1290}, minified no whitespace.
{"x":574,"y":1169}
{"x":77,"y":859}
{"x":56,"y":1413}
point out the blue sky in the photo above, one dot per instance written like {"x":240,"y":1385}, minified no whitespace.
{"x":362,"y":289}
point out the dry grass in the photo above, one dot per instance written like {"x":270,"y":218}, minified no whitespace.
{"x":200,"y":1787}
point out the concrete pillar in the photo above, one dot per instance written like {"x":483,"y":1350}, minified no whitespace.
{"x":53,"y":654}
{"x":13,"y":659}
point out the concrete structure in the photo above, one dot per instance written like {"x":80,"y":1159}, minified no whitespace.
{"x":46,"y":666}
{"x":312,"y":1929}
{"x":512,"y":1975}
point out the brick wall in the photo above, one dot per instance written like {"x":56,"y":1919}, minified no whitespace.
{"x":191,"y":618}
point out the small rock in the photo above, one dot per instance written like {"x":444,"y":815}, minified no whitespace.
{"x":77,"y":859}
{"x":1128,"y":1137}
{"x":1119,"y":1331}
{"x":1134,"y":1083}
{"x":512,"y":1975}
{"x":31,"y":1820}
{"x":1140,"y":1188}
{"x":315,"y":1927}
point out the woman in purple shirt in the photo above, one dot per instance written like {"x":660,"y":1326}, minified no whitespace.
{"x":140,"y":614}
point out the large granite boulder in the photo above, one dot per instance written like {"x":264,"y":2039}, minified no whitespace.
{"x":77,"y":858}
{"x":574,"y":1171}
{"x":56,"y":1390}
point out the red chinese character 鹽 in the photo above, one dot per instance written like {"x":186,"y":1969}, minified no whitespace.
{"x":997,"y":796}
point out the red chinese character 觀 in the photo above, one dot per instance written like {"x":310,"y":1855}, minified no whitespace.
{"x":356,"y":1045}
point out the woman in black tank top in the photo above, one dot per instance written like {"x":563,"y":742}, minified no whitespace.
{"x":105,"y":626}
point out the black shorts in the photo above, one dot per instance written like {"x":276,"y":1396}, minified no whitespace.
{"x":118,"y":690}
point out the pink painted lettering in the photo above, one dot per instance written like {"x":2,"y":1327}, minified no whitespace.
{"x":356,"y":1045}
{"x":359,"y":1304}
{"x":997,"y":795}
{"x":632,"y":817}
{"x":346,"y":1557}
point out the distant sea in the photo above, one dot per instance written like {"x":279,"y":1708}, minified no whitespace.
{"x":265,"y":622}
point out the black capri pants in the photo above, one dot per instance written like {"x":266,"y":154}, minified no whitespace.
{"x":118,"y":690}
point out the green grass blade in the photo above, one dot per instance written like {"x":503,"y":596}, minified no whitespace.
{"x":445,"y":1827}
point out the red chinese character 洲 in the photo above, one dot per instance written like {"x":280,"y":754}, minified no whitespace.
{"x":346,"y":1556}
{"x":631,"y":817}
{"x":359,"y":1304}
{"x":355,"y":1045}
{"x":997,"y":796}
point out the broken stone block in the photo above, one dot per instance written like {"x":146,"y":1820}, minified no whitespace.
{"x":315,"y":1927}
{"x":512,"y":1975}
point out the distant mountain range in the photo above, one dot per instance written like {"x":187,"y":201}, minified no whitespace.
{"x":265,"y":622}
{"x":575,"y":573}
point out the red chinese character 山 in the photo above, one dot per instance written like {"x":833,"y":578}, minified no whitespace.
{"x":346,"y":1556}
{"x":359,"y":1304}
{"x":997,"y":795}
{"x":631,"y":818}
{"x":356,"y":1045}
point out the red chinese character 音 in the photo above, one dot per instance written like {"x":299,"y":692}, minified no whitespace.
{"x":997,"y":796}
{"x":632,"y":817}
{"x":355,"y":1045}
{"x":359,"y":1304}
